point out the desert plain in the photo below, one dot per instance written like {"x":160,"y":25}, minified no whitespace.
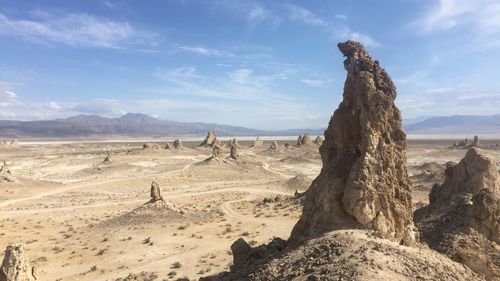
{"x":81,"y":217}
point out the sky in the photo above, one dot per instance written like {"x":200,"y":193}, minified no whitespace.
{"x":258,"y":64}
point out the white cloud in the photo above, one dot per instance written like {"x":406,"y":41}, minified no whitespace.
{"x":297,"y":13}
{"x":8,"y":95}
{"x":339,"y":31}
{"x":480,"y":18}
{"x":341,"y":17}
{"x":206,"y":51}
{"x":76,"y":30}
{"x":312,"y":82}
{"x":452,"y":99}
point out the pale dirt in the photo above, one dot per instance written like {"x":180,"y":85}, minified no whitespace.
{"x":68,"y":208}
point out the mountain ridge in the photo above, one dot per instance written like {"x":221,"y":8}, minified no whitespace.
{"x":128,"y":125}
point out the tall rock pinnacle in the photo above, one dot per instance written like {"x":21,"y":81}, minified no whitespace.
{"x":364,"y":180}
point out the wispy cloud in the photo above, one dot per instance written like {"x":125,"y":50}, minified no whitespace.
{"x":297,"y":13}
{"x":338,"y":30}
{"x":481,"y":18}
{"x":312,"y":82}
{"x":76,"y":30}
{"x":204,"y":51}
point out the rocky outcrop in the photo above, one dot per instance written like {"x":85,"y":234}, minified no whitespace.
{"x":13,"y":142}
{"x":475,"y":143}
{"x":257,"y":142}
{"x":463,"y":217}
{"x":155,"y":192}
{"x":299,"y":140}
{"x":216,"y":152}
{"x":167,"y":146}
{"x":234,"y":152}
{"x":16,"y":266}
{"x":342,"y":255}
{"x":210,"y":141}
{"x":364,"y":180}
{"x":151,"y":146}
{"x":6,"y":174}
{"x":477,"y":170}
{"x":273,"y":146}
{"x":318,"y":140}
{"x":234,"y":142}
{"x":306,"y":139}
{"x":178,"y":144}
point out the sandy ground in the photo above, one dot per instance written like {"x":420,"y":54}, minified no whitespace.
{"x":82,"y":219}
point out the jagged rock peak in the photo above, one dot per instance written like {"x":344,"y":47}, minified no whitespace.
{"x":318,"y":140}
{"x":477,"y":170}
{"x":16,"y":266}
{"x":211,"y":140}
{"x":364,"y":180}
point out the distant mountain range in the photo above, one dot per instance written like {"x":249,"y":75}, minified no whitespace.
{"x":458,"y":124}
{"x":129,"y":125}
{"x":141,"y":125}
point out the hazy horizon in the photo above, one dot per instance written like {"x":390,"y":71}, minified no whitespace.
{"x":255,"y":64}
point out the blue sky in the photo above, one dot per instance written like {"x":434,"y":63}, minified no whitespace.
{"x":259,"y":64}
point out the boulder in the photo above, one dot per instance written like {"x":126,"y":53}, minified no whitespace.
{"x":167,"y":145}
{"x":16,"y":266}
{"x":364,"y":180}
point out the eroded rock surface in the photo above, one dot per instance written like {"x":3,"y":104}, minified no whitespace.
{"x":364,"y":180}
{"x":477,"y":170}
{"x":342,"y":255}
{"x":463,"y":217}
{"x":15,"y":265}
{"x":210,"y":141}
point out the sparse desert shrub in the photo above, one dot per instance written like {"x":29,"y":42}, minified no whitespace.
{"x":176,"y":265}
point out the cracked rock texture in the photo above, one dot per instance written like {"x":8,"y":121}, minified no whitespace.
{"x":15,"y":265}
{"x":462,"y":220}
{"x":364,"y":180}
